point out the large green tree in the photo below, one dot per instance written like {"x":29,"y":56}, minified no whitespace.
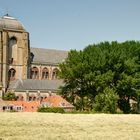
{"x":112,"y":65}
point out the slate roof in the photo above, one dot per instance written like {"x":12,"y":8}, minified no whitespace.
{"x":48,"y":56}
{"x":31,"y":84}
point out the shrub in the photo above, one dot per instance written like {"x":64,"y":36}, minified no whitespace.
{"x":9,"y":96}
{"x":51,"y":109}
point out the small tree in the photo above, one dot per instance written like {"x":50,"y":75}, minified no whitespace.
{"x":9,"y":96}
{"x":106,"y":101}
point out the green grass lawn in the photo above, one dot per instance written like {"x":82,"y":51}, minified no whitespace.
{"x":45,"y":126}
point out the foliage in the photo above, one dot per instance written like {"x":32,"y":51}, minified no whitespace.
{"x":106,"y":102}
{"x":51,"y":109}
{"x":9,"y":96}
{"x":89,"y":72}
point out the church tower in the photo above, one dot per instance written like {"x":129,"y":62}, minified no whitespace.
{"x":14,"y":51}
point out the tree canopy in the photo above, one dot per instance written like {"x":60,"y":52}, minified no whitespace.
{"x":105,"y":70}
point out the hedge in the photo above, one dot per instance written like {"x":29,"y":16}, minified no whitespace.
{"x":51,"y":109}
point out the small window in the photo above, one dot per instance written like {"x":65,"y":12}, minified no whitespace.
{"x":19,"y":97}
{"x":4,"y":107}
{"x":34,"y":98}
{"x":62,"y":104}
{"x":30,"y":98}
{"x":19,"y":108}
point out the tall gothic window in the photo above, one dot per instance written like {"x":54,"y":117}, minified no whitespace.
{"x":45,"y":73}
{"x":11,"y":74}
{"x":12,"y":55}
{"x":55,"y":73}
{"x":34,"y":73}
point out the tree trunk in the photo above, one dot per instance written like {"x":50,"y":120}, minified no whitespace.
{"x":138,"y":104}
{"x":82,"y":103}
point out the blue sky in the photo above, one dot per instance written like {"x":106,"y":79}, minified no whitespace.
{"x":73,"y":24}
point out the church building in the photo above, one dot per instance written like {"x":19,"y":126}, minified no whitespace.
{"x":31,"y":73}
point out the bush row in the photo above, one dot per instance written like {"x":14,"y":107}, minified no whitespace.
{"x":51,"y":109}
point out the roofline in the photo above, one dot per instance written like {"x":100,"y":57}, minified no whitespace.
{"x":49,"y":49}
{"x":13,"y":30}
{"x":34,"y":90}
{"x":44,"y":63}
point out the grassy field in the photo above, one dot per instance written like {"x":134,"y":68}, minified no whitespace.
{"x":43,"y":126}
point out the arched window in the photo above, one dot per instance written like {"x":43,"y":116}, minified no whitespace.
{"x":55,"y":73}
{"x":34,"y":73}
{"x":12,"y":55}
{"x":45,"y":73}
{"x":11,"y":74}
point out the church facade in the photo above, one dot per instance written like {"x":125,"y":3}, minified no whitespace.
{"x":31,"y":73}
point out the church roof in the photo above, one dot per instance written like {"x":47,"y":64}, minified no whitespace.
{"x":11,"y":23}
{"x":48,"y":56}
{"x":32,"y":84}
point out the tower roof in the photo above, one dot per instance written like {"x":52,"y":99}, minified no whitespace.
{"x":11,"y":23}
